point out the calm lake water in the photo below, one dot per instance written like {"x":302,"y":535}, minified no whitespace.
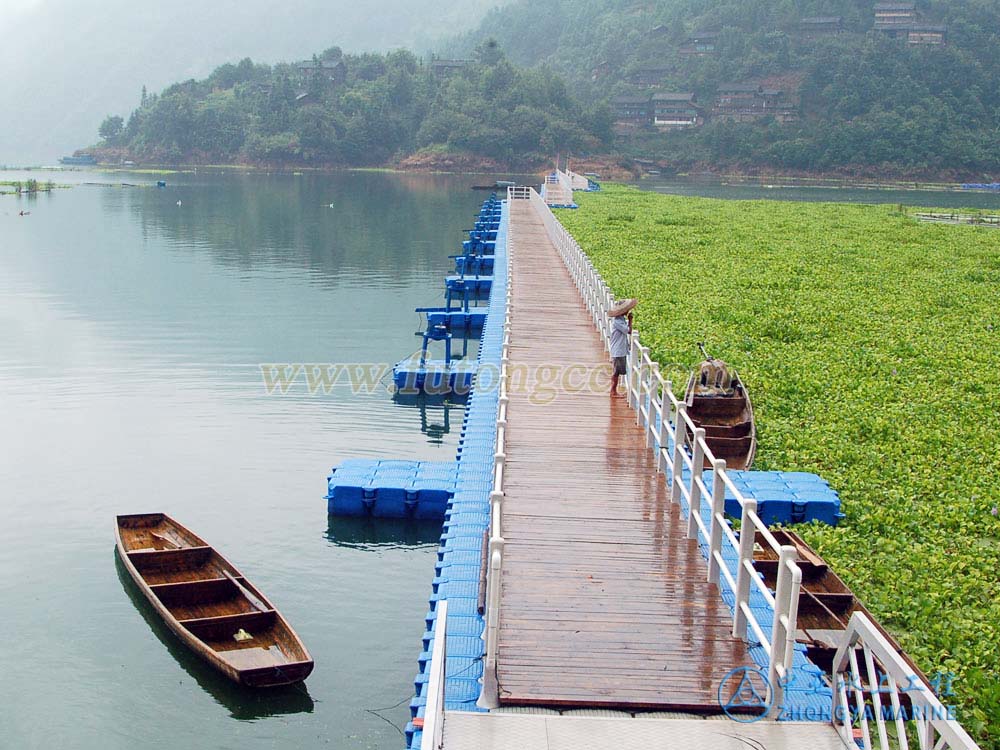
{"x":132,"y":330}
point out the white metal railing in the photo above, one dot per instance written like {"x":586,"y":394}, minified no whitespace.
{"x":882,"y":687}
{"x":433,"y":729}
{"x":489,"y":695}
{"x":680,"y":447}
{"x":565,"y":181}
{"x":577,"y":181}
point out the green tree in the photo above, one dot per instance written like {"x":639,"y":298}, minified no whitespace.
{"x":111,"y":129}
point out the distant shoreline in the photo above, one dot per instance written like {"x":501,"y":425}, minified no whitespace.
{"x":609,"y":172}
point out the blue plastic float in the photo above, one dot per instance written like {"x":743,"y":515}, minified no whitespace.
{"x":391,"y":489}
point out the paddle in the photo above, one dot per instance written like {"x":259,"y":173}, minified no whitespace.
{"x":164,"y":540}
{"x":247,"y":592}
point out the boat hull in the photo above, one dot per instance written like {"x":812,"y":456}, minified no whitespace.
{"x":208,"y":604}
{"x":728,"y":421}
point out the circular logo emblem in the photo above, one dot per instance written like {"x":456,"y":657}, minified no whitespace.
{"x":745,"y":695}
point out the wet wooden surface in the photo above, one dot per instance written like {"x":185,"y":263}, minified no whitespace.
{"x":604,"y":600}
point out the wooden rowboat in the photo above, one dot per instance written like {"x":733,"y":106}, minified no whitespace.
{"x":208,"y":603}
{"x":825,"y":601}
{"x":718,"y":402}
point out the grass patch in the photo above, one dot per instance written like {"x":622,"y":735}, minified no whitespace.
{"x":871,"y":347}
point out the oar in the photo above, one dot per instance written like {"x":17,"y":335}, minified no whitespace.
{"x":163,"y":540}
{"x":247,"y":592}
{"x":706,"y":355}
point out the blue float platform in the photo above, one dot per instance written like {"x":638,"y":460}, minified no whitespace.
{"x":783,"y":497}
{"x":457,"y":573}
{"x":391,"y":489}
{"x":455,"y":320}
{"x":474,"y":265}
{"x":478,"y":285}
{"x":434,"y":377}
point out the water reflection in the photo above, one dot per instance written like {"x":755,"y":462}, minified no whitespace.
{"x":383,"y":224}
{"x":435,"y":412}
{"x":376,"y":533}
{"x":242,"y":703}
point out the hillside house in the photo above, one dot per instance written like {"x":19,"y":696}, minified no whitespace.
{"x":442,"y":68}
{"x":744,"y":102}
{"x":734,"y":96}
{"x":601,"y":70}
{"x":700,"y":44}
{"x":819,"y":26}
{"x":675,"y":111}
{"x":895,"y":18}
{"x":335,"y":71}
{"x":631,"y":113}
{"x":650,"y":75}
{"x":927,"y":34}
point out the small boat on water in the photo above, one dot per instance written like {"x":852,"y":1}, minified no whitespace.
{"x":718,"y":402}
{"x":82,"y":160}
{"x":498,"y":185}
{"x":209,"y":604}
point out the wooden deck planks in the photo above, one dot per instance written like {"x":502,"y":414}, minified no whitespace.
{"x":604,"y":600}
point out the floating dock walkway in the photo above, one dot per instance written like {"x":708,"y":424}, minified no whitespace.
{"x":590,"y":590}
{"x":596,"y":598}
{"x":617,"y":598}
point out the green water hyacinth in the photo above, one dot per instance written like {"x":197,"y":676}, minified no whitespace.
{"x":870,"y":344}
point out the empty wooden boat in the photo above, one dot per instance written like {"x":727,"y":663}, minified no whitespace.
{"x":208,"y":603}
{"x":718,"y":402}
{"x":825,"y":601}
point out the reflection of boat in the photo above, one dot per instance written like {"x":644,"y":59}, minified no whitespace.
{"x":718,"y":402}
{"x":243,"y":705}
{"x":208,"y":603}
{"x":825,"y":601}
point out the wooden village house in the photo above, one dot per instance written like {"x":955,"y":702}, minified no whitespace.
{"x":675,"y":111}
{"x":700,"y":44}
{"x":746,"y":102}
{"x":631,"y":112}
{"x":819,"y":26}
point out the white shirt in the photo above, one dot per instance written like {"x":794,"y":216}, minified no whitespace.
{"x":619,"y":337}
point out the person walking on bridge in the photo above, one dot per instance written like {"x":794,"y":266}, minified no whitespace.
{"x":621,"y":336}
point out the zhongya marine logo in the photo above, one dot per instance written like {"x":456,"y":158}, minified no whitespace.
{"x":745,"y":695}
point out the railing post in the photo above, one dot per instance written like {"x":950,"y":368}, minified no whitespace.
{"x":654,"y":382}
{"x":718,"y":509}
{"x":434,"y":711}
{"x":697,"y":468}
{"x":496,"y":513}
{"x":640,"y":398}
{"x":777,"y":673}
{"x":489,"y":697}
{"x":665,"y":409}
{"x":748,"y":536}
{"x":631,"y":371}
{"x":680,"y":430}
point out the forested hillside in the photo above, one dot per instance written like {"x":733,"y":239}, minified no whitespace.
{"x":359,"y":110}
{"x":864,"y":98}
{"x":817,"y":86}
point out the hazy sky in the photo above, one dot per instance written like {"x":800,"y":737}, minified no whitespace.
{"x":66,"y":64}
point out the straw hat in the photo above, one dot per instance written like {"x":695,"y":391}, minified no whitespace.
{"x":620,"y":308}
